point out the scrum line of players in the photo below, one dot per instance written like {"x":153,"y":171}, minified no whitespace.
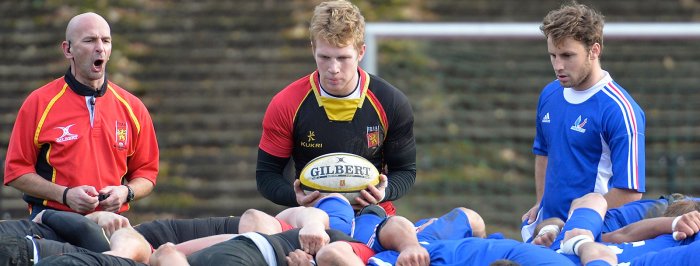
{"x":644,"y":232}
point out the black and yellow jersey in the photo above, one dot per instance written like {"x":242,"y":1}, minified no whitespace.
{"x":302,"y":124}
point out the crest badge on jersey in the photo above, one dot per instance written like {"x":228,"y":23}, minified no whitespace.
{"x":372,"y":136}
{"x":121,"y":135}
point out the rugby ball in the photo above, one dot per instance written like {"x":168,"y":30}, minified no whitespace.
{"x":339,"y":172}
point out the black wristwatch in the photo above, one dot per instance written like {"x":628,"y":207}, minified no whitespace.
{"x":130,"y":195}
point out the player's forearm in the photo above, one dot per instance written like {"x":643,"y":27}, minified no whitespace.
{"x":274,"y":188}
{"x":34,"y":185}
{"x":593,"y":251}
{"x":141,"y":186}
{"x":400,"y":156}
{"x":540,"y":170}
{"x":400,"y":182}
{"x":270,"y":181}
{"x":641,"y":230}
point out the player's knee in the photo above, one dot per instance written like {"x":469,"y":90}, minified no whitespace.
{"x":252,"y":220}
{"x":332,"y":253}
{"x":398,"y":221}
{"x":253,"y":215}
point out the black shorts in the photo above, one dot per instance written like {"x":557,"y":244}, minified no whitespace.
{"x":237,"y":251}
{"x":26,"y":227}
{"x":16,"y":250}
{"x":176,"y":231}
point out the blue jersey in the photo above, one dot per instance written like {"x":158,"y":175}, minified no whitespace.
{"x":594,"y":141}
{"x":627,"y":252}
{"x":635,"y":211}
{"x":631,"y":212}
{"x":453,"y":225}
{"x":479,"y":251}
{"x":584,"y":218}
{"x":674,"y":256}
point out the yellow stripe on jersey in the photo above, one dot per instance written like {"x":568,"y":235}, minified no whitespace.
{"x":128,"y":107}
{"x":46,"y":112}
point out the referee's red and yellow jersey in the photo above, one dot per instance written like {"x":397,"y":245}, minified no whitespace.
{"x":54,"y":137}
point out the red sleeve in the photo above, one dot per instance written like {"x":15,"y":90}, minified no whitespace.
{"x":278,"y":123}
{"x":388,"y":207}
{"x":362,"y":251}
{"x":22,"y":152}
{"x":144,"y":161}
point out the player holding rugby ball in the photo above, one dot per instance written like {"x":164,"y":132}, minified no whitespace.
{"x":337,"y":108}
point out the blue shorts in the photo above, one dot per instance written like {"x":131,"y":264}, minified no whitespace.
{"x":364,"y":229}
{"x":339,"y":211}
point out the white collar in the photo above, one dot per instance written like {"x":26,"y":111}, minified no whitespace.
{"x":575,"y":97}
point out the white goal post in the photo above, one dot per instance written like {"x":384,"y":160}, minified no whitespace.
{"x":494,"y":31}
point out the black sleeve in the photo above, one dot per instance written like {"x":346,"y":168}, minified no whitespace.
{"x":271,"y":182}
{"x":400,"y":182}
{"x":76,"y":230}
{"x":400,"y":151}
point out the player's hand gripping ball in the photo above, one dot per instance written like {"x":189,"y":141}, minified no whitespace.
{"x":339,"y":172}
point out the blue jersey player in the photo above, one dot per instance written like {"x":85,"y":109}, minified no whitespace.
{"x":589,"y":130}
{"x":652,"y":235}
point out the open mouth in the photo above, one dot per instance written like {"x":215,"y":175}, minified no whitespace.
{"x":98,"y":62}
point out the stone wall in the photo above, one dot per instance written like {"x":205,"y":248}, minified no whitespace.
{"x":207,"y":70}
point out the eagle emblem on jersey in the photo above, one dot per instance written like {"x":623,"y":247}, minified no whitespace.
{"x":578,"y":125}
{"x":121,"y":135}
{"x":372,"y":136}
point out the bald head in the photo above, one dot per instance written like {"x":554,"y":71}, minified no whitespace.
{"x":88,"y":46}
{"x":84,"y":21}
